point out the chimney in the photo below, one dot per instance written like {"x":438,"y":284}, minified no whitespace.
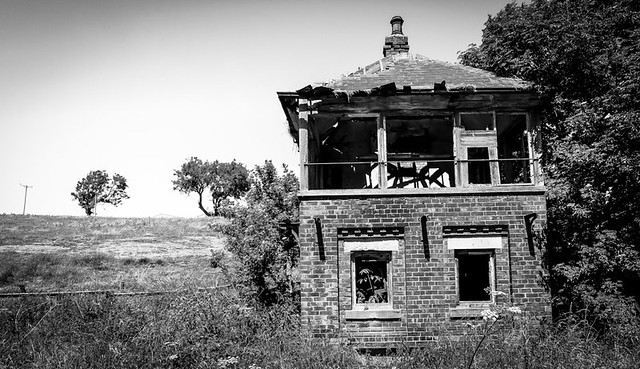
{"x":396,"y":43}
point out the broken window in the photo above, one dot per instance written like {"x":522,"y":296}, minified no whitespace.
{"x":371,"y":277}
{"x":379,"y":151}
{"x":419,"y":152}
{"x":493,"y":149}
{"x":474,"y":271}
{"x":477,"y":121}
{"x":341,"y":153}
{"x":475,"y":266}
{"x":479,"y":171}
{"x":513,"y":148}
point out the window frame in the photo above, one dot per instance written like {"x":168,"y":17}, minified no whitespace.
{"x":372,"y":311}
{"x":480,"y":243}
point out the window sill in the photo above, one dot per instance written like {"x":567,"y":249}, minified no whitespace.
{"x":391,"y":314}
{"x":467,"y":311}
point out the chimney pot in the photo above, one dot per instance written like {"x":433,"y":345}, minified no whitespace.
{"x":396,"y":25}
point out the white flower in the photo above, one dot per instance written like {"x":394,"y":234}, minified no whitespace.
{"x":489,"y":314}
{"x":514,"y":310}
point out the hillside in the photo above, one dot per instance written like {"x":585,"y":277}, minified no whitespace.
{"x":44,"y":253}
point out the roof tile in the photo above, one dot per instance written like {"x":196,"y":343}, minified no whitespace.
{"x":419,"y":71}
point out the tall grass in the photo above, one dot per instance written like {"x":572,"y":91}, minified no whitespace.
{"x":194,"y":330}
{"x":221,"y":329}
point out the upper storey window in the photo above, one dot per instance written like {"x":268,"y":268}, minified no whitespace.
{"x":444,"y":150}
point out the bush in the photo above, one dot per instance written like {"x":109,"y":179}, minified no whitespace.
{"x":266,"y":252}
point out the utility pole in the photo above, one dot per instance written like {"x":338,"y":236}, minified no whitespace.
{"x":26,"y":189}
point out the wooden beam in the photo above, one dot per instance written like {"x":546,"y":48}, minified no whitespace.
{"x":382,"y":152}
{"x":417,"y":103}
{"x":303,"y":144}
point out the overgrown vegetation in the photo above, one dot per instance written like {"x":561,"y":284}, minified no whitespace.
{"x":584,"y":58}
{"x":259,"y":240}
{"x":223,"y":329}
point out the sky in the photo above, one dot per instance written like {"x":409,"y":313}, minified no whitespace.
{"x":137,"y":87}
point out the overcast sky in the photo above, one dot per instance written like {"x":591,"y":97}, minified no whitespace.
{"x":136,"y":87}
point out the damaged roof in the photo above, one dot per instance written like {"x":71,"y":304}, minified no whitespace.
{"x":420,"y":72}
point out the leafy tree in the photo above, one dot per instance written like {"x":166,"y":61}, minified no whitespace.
{"x":97,"y":187}
{"x":266,"y":250}
{"x":230,"y":181}
{"x":584,"y":57}
{"x":223,"y":180}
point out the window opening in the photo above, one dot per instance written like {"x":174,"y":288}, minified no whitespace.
{"x":419,"y":152}
{"x":371,"y":277}
{"x":513,"y":144}
{"x":342,"y":153}
{"x":477,"y":121}
{"x":474,"y":274}
{"x":479,"y":171}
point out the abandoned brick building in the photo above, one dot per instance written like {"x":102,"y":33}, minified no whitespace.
{"x":420,"y":190}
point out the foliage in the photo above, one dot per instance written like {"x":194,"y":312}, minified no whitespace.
{"x":371,"y":287}
{"x":584,"y":56}
{"x":97,"y":188}
{"x":223,"y":180}
{"x":256,"y":236}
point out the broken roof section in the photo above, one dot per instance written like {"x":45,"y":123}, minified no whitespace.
{"x":416,"y":72}
{"x":399,"y":73}
{"x":421,"y":73}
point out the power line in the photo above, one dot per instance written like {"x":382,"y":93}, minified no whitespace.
{"x":26,"y":189}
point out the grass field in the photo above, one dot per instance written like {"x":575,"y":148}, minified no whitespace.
{"x":53,"y":253}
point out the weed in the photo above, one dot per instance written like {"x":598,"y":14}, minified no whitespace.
{"x":218,"y":258}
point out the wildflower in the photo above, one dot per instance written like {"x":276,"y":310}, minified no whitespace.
{"x":489,"y":314}
{"x":514,"y":310}
{"x":231,"y":360}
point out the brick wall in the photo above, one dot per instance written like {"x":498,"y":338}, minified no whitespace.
{"x":424,"y":289}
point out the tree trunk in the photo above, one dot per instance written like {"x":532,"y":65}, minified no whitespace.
{"x":202,"y":207}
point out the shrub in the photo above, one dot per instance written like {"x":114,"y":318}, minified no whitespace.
{"x":266,"y":252}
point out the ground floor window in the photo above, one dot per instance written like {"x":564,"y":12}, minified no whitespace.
{"x":371,"y":277}
{"x":475,"y":275}
{"x":371,"y":274}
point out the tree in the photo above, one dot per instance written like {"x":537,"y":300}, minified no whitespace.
{"x":266,"y":250}
{"x":584,"y":58}
{"x":223,"y":180}
{"x":97,"y":187}
{"x":230,"y":181}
